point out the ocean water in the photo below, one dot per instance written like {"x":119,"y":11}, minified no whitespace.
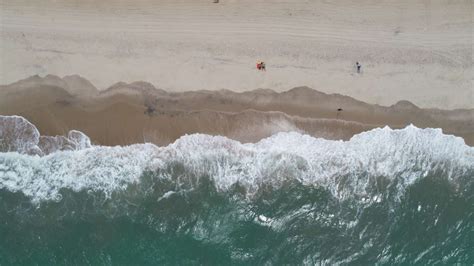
{"x":384,"y":197}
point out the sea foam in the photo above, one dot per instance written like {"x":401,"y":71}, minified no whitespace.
{"x":19,"y":135}
{"x":361,"y":168}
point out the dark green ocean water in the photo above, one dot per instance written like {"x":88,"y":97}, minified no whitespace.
{"x":386,"y":197}
{"x":432,"y":223}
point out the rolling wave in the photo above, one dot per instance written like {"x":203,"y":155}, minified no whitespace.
{"x":367,"y":163}
{"x":385,"y":196}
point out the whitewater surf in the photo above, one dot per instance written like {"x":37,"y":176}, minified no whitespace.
{"x":385,"y":196}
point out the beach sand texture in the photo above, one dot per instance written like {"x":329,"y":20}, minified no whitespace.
{"x":419,"y":51}
{"x":128,"y":113}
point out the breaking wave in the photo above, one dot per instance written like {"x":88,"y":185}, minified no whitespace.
{"x":384,"y":196}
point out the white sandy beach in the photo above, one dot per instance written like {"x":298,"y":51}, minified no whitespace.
{"x":419,"y":51}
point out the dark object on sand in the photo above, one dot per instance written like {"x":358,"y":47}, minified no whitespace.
{"x":358,"y":66}
{"x":261,"y":65}
{"x":216,"y":1}
{"x":339,"y":110}
{"x":150,"y":110}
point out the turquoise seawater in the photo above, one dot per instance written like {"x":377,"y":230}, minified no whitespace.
{"x":387,"y":197}
{"x":432,"y":223}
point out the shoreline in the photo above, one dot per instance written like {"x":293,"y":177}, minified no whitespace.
{"x":138,"y":112}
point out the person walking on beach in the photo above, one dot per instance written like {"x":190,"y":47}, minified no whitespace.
{"x":339,"y":110}
{"x":358,"y":66}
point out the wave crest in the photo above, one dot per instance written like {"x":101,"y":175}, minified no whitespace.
{"x":364,"y":167}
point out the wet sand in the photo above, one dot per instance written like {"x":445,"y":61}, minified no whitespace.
{"x":138,"y":112}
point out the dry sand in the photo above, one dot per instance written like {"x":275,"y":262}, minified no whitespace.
{"x":138,"y":112}
{"x":413,"y":50}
